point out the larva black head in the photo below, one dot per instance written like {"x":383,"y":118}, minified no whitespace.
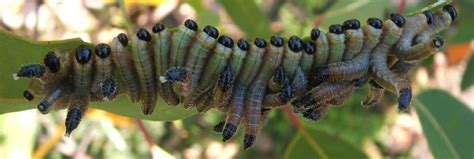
{"x":158,"y":27}
{"x":102,"y":50}
{"x":249,"y":139}
{"x":229,"y":131}
{"x":243,"y":44}
{"x":260,"y":42}
{"x":397,"y":19}
{"x":123,"y":39}
{"x":438,"y":42}
{"x":211,"y":31}
{"x":44,"y":107}
{"x":351,"y":24}
{"x":83,"y":54}
{"x":315,"y":34}
{"x":451,"y":10}
{"x":226,"y":41}
{"x":336,"y":29}
{"x":51,"y":60}
{"x":191,"y":24}
{"x":144,"y":35}
{"x":375,"y":22}
{"x":309,"y":47}
{"x":429,"y":16}
{"x":404,"y":99}
{"x":73,"y":119}
{"x":277,"y":41}
{"x":295,"y":44}
{"x":28,"y":96}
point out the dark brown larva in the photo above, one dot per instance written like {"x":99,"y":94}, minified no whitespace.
{"x":245,"y":81}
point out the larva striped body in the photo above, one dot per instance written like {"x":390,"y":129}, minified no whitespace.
{"x":161,"y":47}
{"x":271,"y":60}
{"x":245,"y":81}
{"x":142,"y":59}
{"x":123,"y":61}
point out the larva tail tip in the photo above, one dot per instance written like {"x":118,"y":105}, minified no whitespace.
{"x":163,"y":79}
{"x":15,"y":77}
{"x":228,"y":131}
{"x":404,"y":99}
{"x":67,"y":134}
{"x":249,"y":139}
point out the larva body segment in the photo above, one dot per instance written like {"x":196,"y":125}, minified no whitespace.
{"x":354,"y":39}
{"x":103,"y":68}
{"x":82,"y":70}
{"x":196,"y":60}
{"x":359,"y":65}
{"x":122,"y":60}
{"x":307,"y":59}
{"x":322,"y":47}
{"x":180,"y":42}
{"x":142,"y":60}
{"x":416,"y":23}
{"x":161,"y":42}
{"x":59,"y":67}
{"x":215,"y":65}
{"x":246,"y":76}
{"x":336,"y":40}
{"x":442,"y":20}
{"x":292,"y":56}
{"x":422,"y":50}
{"x":321,"y":94}
{"x":316,"y":113}
{"x":253,"y":105}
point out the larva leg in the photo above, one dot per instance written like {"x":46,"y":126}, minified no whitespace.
{"x":161,"y":46}
{"x":103,"y":68}
{"x":374,"y":95}
{"x":358,"y":66}
{"x":28,"y":96}
{"x":253,"y":106}
{"x":196,"y":60}
{"x":180,"y":42}
{"x":383,"y":75}
{"x":316,"y":113}
{"x":215,"y":65}
{"x":124,"y":64}
{"x":246,"y":76}
{"x":76,"y":110}
{"x":143,"y":65}
{"x":336,"y":40}
{"x":354,"y":38}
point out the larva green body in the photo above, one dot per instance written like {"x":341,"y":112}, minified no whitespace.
{"x":307,"y":59}
{"x":161,"y":45}
{"x":292,"y":56}
{"x":336,"y":40}
{"x":142,"y":60}
{"x":322,"y":48}
{"x":354,"y":39}
{"x":442,"y":20}
{"x":121,"y":57}
{"x":180,"y":43}
{"x":417,"y":23}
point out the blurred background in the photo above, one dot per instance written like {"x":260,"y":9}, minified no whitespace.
{"x":349,"y":131}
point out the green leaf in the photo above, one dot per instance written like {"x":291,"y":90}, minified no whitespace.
{"x":17,"y":51}
{"x":248,"y":16}
{"x":447,"y":124}
{"x":321,"y":144}
{"x":468,"y":77}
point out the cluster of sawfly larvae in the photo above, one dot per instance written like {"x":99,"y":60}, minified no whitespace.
{"x":246,"y":80}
